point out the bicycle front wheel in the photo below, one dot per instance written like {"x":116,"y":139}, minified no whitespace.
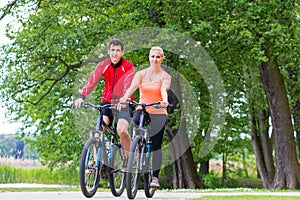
{"x":133,"y":168}
{"x":116,"y":177}
{"x":90,"y":167}
{"x":147,"y":169}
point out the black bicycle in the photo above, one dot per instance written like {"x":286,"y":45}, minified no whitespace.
{"x":139,"y":160}
{"x":102,"y":156}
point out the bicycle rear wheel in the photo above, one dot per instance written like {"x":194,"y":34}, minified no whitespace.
{"x":133,"y":168}
{"x":90,"y":168}
{"x":116,"y":177}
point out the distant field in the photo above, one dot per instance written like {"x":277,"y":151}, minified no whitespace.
{"x":26,"y":163}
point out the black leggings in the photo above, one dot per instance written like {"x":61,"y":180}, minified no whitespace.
{"x":157,"y":128}
{"x":157,"y":153}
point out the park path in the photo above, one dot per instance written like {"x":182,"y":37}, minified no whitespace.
{"x":159,"y":194}
{"x":107,"y":195}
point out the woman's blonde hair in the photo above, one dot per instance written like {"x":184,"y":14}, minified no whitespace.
{"x":157,"y":48}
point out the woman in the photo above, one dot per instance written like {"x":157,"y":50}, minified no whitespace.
{"x":153,"y":83}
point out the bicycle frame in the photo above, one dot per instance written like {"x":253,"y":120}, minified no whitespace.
{"x":102,"y":137}
{"x":146,"y":143}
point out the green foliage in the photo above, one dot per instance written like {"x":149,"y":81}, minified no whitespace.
{"x":65,"y":176}
{"x":212,"y":181}
{"x":56,"y":37}
{"x":8,"y":145}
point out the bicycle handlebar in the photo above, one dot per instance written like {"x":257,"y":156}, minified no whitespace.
{"x":98,"y":107}
{"x":154,"y":104}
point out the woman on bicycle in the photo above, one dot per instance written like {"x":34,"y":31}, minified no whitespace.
{"x":153,"y":83}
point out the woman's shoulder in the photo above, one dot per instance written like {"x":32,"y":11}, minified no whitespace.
{"x":141,"y":72}
{"x":166,"y":74}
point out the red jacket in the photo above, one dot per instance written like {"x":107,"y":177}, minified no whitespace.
{"x":117,"y":79}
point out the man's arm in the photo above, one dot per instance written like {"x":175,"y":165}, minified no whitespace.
{"x":90,"y":84}
{"x":93,"y":80}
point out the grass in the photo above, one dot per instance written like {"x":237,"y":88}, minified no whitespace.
{"x":49,"y":189}
{"x":8,"y":174}
{"x":248,"y":197}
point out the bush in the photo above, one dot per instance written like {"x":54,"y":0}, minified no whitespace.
{"x":233,"y":183}
{"x":211,"y":181}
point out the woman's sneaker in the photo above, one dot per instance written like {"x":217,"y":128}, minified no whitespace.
{"x":154,"y":182}
{"x":124,"y":166}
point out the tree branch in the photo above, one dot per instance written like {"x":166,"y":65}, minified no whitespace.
{"x":8,"y":8}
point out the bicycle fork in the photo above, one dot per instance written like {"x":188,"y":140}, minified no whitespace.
{"x":145,"y":153}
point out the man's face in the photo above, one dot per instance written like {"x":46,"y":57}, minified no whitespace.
{"x":115,"y":53}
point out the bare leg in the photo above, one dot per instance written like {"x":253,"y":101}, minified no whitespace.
{"x":122,"y":129}
{"x":106,"y":120}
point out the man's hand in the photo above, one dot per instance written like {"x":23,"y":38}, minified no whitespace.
{"x":78,"y":102}
{"x":121,"y":105}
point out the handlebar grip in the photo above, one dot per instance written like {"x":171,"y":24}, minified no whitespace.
{"x":84,"y":105}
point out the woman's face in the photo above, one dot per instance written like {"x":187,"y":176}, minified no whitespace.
{"x":155,"y":57}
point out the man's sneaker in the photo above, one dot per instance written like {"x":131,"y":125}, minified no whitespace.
{"x":154,"y":182}
{"x":92,"y":167}
{"x":124,"y":166}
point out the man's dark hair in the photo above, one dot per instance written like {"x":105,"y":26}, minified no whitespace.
{"x":116,"y":43}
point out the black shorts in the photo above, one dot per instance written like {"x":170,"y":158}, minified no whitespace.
{"x":125,"y":113}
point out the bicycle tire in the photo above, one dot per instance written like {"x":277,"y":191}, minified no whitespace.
{"x":116,"y":177}
{"x":149,"y":191}
{"x":89,"y":171}
{"x":133,"y":172}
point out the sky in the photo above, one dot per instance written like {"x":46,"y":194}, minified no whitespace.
{"x":5,"y":126}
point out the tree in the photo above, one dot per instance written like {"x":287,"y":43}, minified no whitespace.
{"x":254,"y":38}
{"x":264,"y":35}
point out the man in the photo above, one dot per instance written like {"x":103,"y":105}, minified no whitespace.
{"x":118,"y":74}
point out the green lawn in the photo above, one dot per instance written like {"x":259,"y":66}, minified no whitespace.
{"x":249,"y":197}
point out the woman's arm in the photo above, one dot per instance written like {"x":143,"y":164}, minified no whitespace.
{"x":165,"y":86}
{"x":134,"y":85}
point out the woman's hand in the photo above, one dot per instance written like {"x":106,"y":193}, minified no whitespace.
{"x":164,"y":104}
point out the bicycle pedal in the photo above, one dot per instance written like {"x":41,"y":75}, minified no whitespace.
{"x":114,"y":171}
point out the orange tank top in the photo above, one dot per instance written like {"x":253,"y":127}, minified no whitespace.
{"x":150,"y":91}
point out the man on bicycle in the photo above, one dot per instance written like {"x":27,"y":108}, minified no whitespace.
{"x":118,"y":74}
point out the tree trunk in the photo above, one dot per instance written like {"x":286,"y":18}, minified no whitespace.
{"x":261,"y":143}
{"x":245,"y":166}
{"x":184,"y":170}
{"x":296,"y":118}
{"x":287,"y":173}
{"x":224,"y":167}
{"x":293,"y":76}
{"x":204,"y":167}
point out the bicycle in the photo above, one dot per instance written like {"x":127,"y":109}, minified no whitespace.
{"x":139,"y":160}
{"x":101,"y":156}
